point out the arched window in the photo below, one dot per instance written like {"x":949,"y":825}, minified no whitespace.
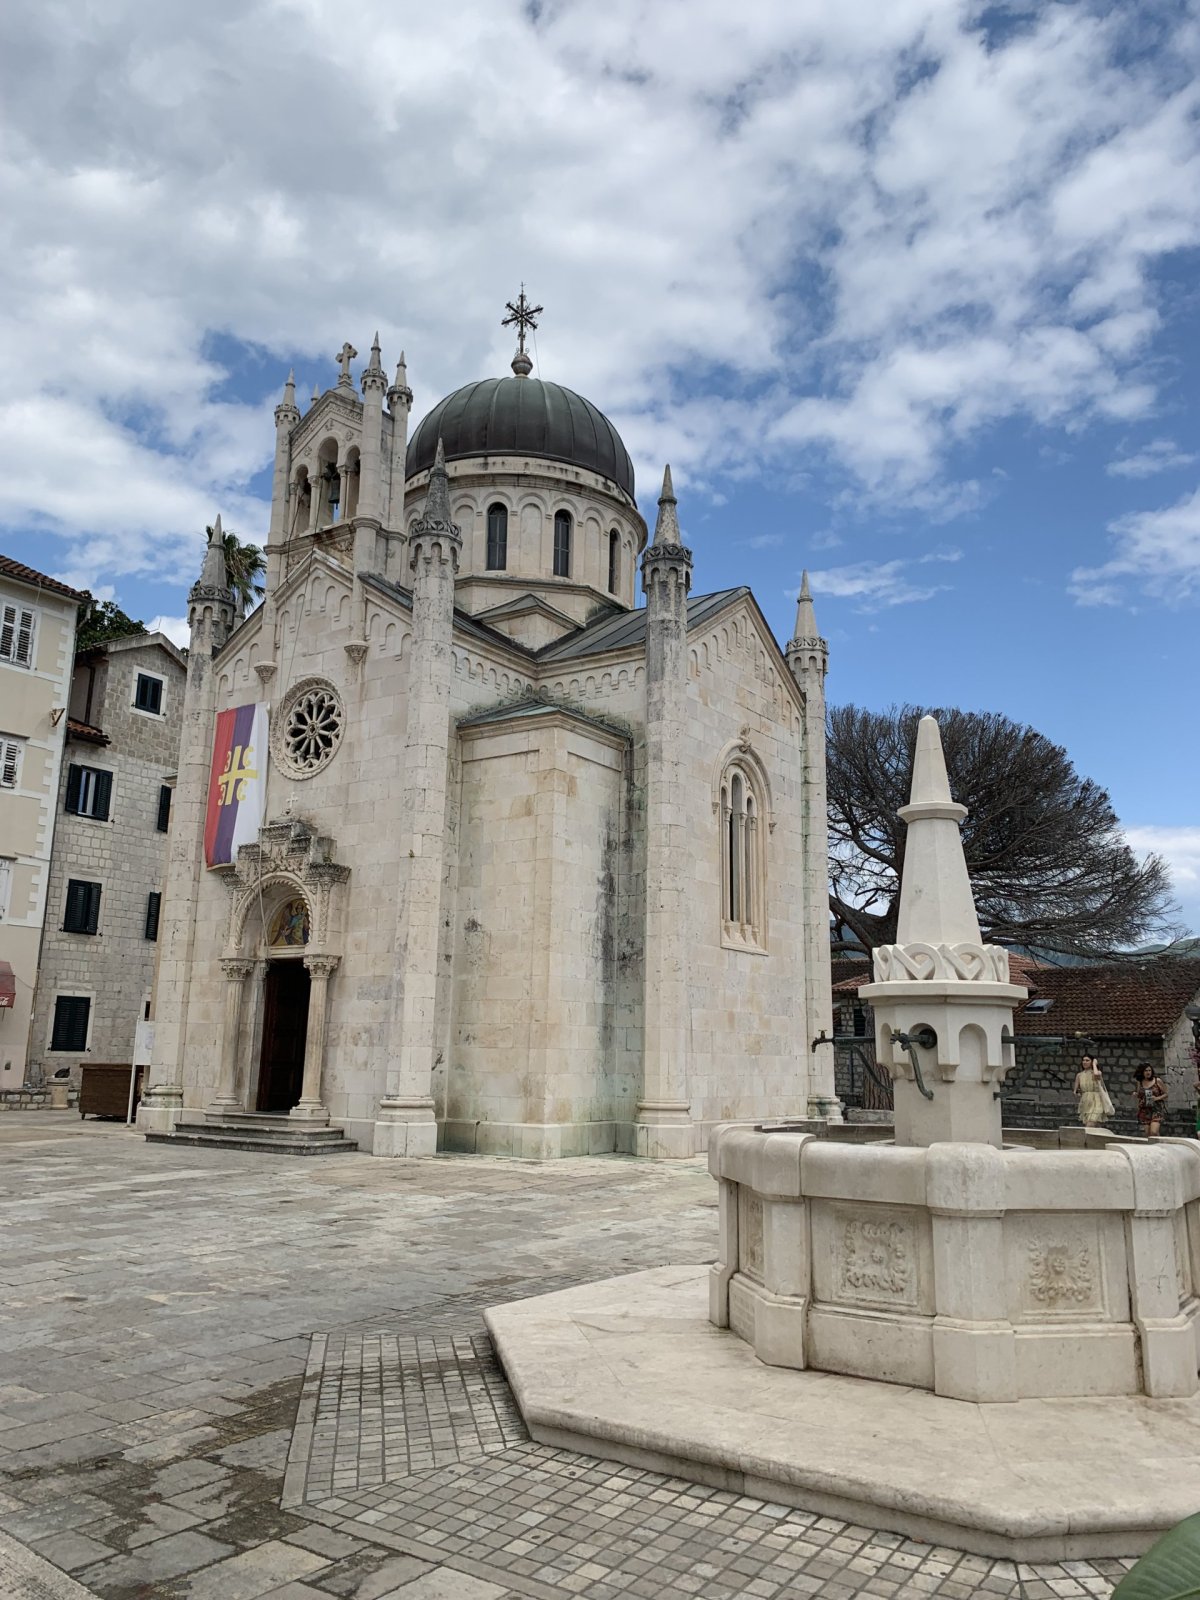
{"x":328,"y":485}
{"x":302,"y":510}
{"x":614,"y":561}
{"x":743,"y":868}
{"x":562,"y":544}
{"x":350,"y":486}
{"x":497,"y":538}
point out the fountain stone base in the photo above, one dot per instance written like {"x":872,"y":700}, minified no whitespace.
{"x":977,"y":1273}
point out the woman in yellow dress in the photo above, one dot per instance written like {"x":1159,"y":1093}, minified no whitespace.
{"x":1095,"y":1107}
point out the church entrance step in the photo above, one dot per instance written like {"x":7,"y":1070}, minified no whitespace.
{"x":272,"y":1135}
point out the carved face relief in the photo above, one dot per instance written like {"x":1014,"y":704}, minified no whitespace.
{"x":1058,"y":1266}
{"x":877,"y":1260}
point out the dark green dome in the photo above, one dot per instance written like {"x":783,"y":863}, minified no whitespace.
{"x":521,"y":417}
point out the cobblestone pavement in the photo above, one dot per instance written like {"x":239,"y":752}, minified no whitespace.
{"x":159,"y":1310}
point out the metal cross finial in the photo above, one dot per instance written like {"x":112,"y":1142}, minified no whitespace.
{"x":343,"y":358}
{"x":521,"y":315}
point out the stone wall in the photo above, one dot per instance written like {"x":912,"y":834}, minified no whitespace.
{"x":1038,"y":1093}
{"x":126,"y":855}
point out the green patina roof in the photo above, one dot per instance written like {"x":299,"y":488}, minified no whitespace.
{"x":522,"y":416}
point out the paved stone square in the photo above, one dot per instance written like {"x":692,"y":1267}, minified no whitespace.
{"x":235,"y":1377}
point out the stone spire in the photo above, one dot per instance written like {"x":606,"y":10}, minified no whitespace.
{"x":400,"y":390}
{"x":936,"y":903}
{"x":436,"y":519}
{"x":288,"y":403}
{"x":942,"y":998}
{"x":213,"y":582}
{"x":374,"y":367}
{"x":807,"y":652}
{"x":666,"y":528}
{"x":399,"y":399}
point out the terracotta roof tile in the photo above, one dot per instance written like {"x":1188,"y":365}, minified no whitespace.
{"x":85,"y":732}
{"x":36,"y":580}
{"x":1142,"y":999}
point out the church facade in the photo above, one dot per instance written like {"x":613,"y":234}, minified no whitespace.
{"x":539,"y":871}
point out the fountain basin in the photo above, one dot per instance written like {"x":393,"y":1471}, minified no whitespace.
{"x":973,"y":1272}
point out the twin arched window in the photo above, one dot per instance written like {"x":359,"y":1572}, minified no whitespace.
{"x":562,"y":544}
{"x":497,"y":538}
{"x":743,"y":871}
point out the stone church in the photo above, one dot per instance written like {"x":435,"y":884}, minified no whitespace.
{"x":537,"y":871}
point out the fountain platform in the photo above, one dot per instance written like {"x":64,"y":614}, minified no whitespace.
{"x":632,"y":1370}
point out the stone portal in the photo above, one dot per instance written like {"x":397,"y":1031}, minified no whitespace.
{"x":286,"y":991}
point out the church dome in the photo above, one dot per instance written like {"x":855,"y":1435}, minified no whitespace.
{"x":521,"y":416}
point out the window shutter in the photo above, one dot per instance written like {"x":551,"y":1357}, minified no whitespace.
{"x":102,"y":796}
{"x":25,"y":639}
{"x":73,"y":917}
{"x":10,"y":752}
{"x":153,"y":908}
{"x":8,"y":629}
{"x":164,"y":808}
{"x":83,"y":907}
{"x":71,"y":1012}
{"x":74,"y":782}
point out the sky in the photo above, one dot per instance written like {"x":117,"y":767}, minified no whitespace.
{"x":904,"y":290}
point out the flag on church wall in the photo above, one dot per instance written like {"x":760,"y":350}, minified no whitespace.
{"x":236,"y":783}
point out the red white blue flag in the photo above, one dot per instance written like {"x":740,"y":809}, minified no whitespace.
{"x":236,"y":783}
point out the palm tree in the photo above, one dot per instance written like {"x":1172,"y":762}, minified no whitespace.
{"x":245,"y":564}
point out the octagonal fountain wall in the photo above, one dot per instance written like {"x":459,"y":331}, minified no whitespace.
{"x":946,"y":1261}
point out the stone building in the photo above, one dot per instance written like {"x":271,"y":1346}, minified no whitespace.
{"x":106,"y":871}
{"x":539,"y":871}
{"x":37,"y":645}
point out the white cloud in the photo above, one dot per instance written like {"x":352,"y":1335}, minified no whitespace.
{"x":1159,"y":551}
{"x":863,"y":232}
{"x":1180,"y":848}
{"x":1160,"y":455}
{"x":880,"y":583}
{"x":175,"y":628}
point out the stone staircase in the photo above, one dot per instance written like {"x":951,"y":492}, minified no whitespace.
{"x":273,"y":1134}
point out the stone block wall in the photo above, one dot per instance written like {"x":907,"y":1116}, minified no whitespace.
{"x":1038,"y":1093}
{"x":125,"y":854}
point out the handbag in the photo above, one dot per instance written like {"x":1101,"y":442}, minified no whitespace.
{"x":1106,"y":1102}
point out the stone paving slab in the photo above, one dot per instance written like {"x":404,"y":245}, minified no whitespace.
{"x":598,"y":1367}
{"x":162,"y":1305}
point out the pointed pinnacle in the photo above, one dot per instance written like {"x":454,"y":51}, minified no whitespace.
{"x":437,"y":498}
{"x":316,"y":394}
{"x":435,"y":517}
{"x":930,"y":781}
{"x":666,"y":529}
{"x":375,"y":341}
{"x":217,"y":534}
{"x":806,"y":619}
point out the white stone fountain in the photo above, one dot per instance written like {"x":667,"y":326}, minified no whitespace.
{"x":903,"y":1332}
{"x":944,"y":1260}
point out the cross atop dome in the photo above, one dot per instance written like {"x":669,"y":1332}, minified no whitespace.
{"x":521,"y":315}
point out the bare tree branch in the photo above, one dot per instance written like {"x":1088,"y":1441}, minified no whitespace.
{"x":1048,"y":861}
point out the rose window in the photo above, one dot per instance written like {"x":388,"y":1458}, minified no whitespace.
{"x":309,"y":728}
